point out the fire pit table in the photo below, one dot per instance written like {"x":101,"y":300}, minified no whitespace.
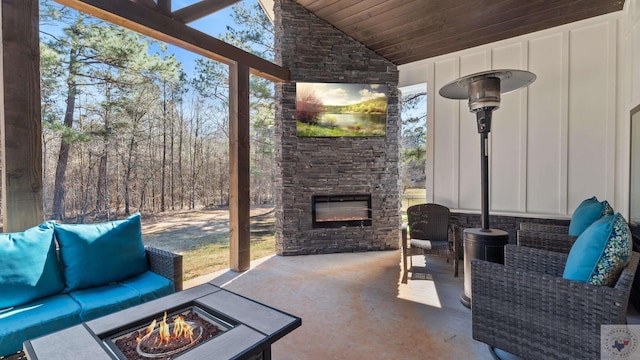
{"x":220,"y":325}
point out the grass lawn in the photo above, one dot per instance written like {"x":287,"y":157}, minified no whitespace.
{"x":202,"y":238}
{"x":413,"y":197}
{"x":213,"y":255}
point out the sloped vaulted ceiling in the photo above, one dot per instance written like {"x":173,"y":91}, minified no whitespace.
{"x":404,"y":31}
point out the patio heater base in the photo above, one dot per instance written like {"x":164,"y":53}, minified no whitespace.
{"x":485,"y":245}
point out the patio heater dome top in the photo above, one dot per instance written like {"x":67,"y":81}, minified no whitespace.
{"x":510,"y":80}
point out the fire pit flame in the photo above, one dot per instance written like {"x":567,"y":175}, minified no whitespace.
{"x":168,"y":338}
{"x":182,"y":329}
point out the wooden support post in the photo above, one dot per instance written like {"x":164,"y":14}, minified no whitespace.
{"x":20,"y":126}
{"x":239,"y":175}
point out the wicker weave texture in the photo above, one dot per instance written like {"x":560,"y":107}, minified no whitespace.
{"x":166,"y":264}
{"x":557,"y":229}
{"x":546,"y":240}
{"x":530,"y":311}
{"x":535,"y":260}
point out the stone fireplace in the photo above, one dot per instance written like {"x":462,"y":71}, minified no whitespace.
{"x":329,"y":171}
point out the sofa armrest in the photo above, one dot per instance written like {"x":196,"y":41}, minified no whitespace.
{"x":546,"y":240}
{"x":167,"y":264}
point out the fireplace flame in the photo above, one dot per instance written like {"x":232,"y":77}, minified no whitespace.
{"x":181,"y":329}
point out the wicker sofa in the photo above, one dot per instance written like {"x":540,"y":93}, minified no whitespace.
{"x":526,"y":308}
{"x":54,"y":276}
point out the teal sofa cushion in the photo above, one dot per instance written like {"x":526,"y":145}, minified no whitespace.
{"x":150,"y":285}
{"x":104,"y":300}
{"x":28,"y":266}
{"x":100,"y":254}
{"x":35,"y":319}
{"x":586,"y":213}
{"x":600,"y":252}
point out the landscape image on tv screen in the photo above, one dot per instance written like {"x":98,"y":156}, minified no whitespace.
{"x":334,"y":110}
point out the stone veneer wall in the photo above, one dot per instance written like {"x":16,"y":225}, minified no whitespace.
{"x":314,"y":51}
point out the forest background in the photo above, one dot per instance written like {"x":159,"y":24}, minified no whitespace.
{"x":128,"y":126}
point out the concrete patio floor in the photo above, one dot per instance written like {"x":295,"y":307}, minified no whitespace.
{"x":353,"y":306}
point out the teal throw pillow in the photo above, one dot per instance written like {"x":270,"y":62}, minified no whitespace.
{"x":601,"y":252}
{"x":100,"y":254}
{"x":28,"y":266}
{"x":586,"y":213}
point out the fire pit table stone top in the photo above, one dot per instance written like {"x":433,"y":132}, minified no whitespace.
{"x":245,"y":328}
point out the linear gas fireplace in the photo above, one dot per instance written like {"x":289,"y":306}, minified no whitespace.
{"x":333,"y":211}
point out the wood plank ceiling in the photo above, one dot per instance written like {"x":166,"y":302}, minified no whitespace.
{"x":404,"y":31}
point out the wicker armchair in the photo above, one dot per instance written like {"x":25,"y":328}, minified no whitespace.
{"x":526,"y":308}
{"x":550,"y":241}
{"x":166,"y":264}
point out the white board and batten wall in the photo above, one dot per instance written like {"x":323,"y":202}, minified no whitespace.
{"x":553,"y":144}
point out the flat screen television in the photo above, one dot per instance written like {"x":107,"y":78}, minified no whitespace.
{"x":337,"y":109}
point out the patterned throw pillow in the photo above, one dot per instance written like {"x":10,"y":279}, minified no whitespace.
{"x":616,"y":255}
{"x":600,"y":252}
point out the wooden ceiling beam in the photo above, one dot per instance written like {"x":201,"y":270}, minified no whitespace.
{"x":148,"y":3}
{"x":158,"y":26}
{"x":164,"y":6}
{"x":200,"y":9}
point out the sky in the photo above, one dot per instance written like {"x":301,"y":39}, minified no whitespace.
{"x":214,"y":25}
{"x":343,"y":94}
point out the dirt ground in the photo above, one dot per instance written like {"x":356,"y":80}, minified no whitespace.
{"x":202,"y":237}
{"x":180,"y":231}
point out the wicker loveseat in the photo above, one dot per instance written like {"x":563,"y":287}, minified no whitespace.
{"x":55,"y":276}
{"x":526,"y":308}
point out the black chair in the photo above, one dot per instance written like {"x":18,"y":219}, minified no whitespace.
{"x":428,"y":233}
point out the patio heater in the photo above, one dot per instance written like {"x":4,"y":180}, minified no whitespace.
{"x":483,"y":90}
